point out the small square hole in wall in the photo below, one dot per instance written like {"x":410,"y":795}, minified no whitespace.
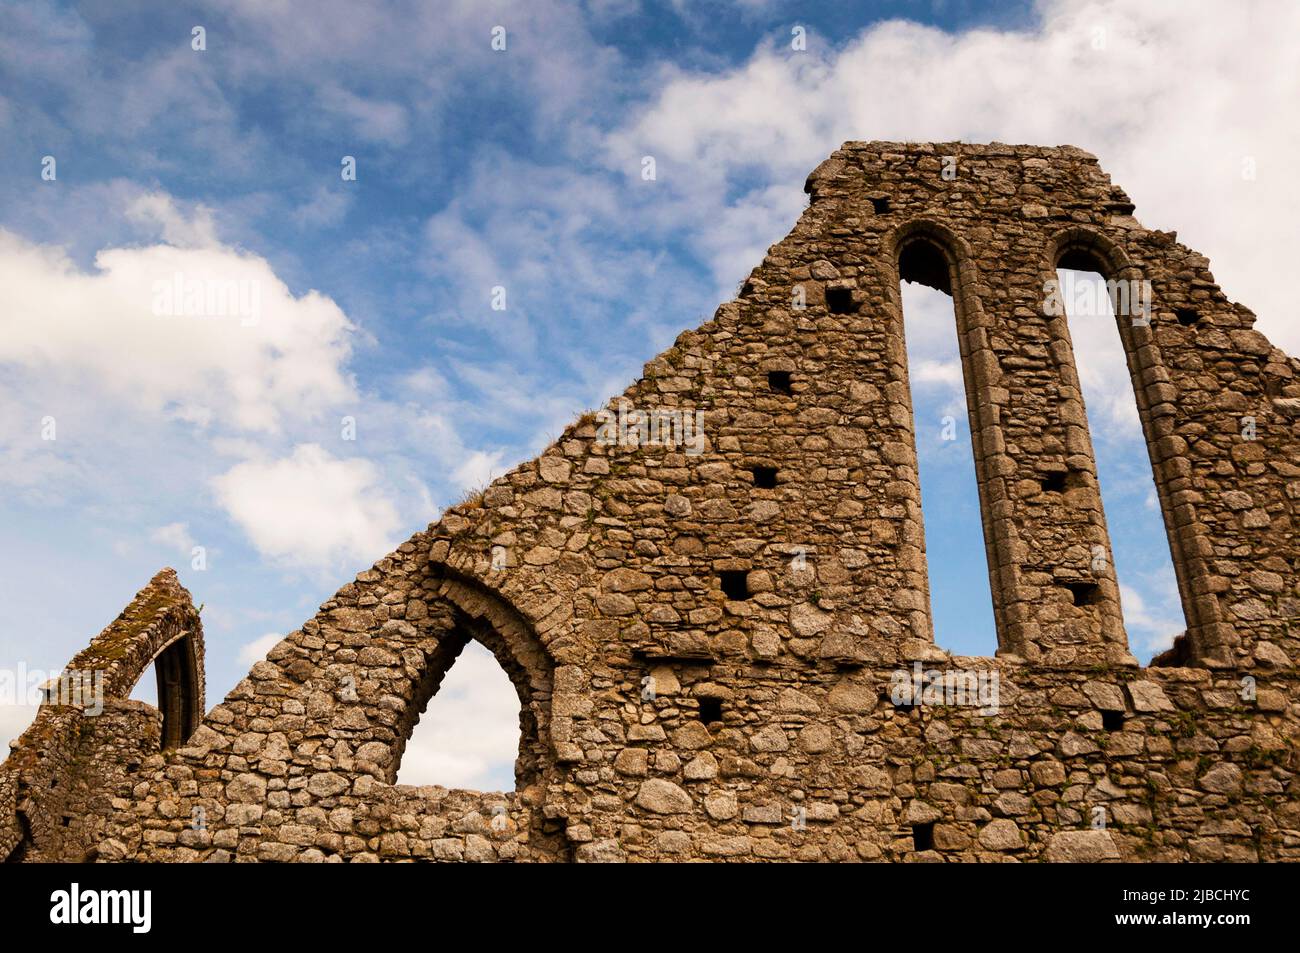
{"x":1062,"y":481}
{"x":1084,"y":593}
{"x":764,"y":477}
{"x":710,"y":710}
{"x":133,"y":767}
{"x":1112,"y":720}
{"x":1054,"y":483}
{"x":780,"y":381}
{"x":1186,"y":316}
{"x":880,"y":205}
{"x":67,"y":820}
{"x":923,"y":836}
{"x":840,"y":300}
{"x":735,"y":584}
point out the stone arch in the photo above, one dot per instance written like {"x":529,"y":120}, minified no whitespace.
{"x":1084,"y":249}
{"x":955,"y":248}
{"x":176,"y":667}
{"x":89,"y":736}
{"x":479,"y":614}
{"x":1091,"y":246}
{"x":954,"y":271}
{"x":161,"y":629}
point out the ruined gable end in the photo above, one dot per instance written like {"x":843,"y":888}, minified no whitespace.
{"x":712,"y":594}
{"x":90,"y":741}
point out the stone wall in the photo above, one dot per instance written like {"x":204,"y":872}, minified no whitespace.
{"x":89,"y":739}
{"x":707,"y":663}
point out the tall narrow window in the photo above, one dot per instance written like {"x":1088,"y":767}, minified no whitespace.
{"x":961,"y":603}
{"x":468,"y":735}
{"x":1149,"y":598}
{"x":168,"y":684}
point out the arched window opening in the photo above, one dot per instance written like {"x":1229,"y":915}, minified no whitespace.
{"x":469,"y":732}
{"x":146,"y":689}
{"x":168,"y":684}
{"x":921,"y":262}
{"x":1143,"y":566}
{"x":961,"y":602}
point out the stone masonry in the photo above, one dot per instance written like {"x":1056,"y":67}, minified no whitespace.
{"x":707,"y":637}
{"x":90,"y":739}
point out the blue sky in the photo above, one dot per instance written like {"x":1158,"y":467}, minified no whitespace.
{"x":517,"y":169}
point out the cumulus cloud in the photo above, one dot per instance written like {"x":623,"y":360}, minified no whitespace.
{"x":160,"y":211}
{"x":1094,"y":74}
{"x":204,"y":334}
{"x":311,"y":510}
{"x":478,"y":470}
{"x":255,"y":651}
{"x":196,"y":346}
{"x":468,"y":737}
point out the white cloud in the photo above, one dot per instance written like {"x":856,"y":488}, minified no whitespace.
{"x":1151,"y":629}
{"x":1100,"y":361}
{"x":468,"y":737}
{"x":326,"y":208}
{"x":311,"y":510}
{"x":253,"y":652}
{"x":253,"y":353}
{"x":937,"y":372}
{"x":1175,"y":138}
{"x":425,"y":383}
{"x":84,"y":350}
{"x":478,"y":470}
{"x":14,"y":720}
{"x":174,"y":536}
{"x":559,"y":233}
{"x":159,"y":210}
{"x":934,"y":369}
{"x":737,"y":238}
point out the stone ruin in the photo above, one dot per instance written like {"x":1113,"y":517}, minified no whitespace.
{"x":707,"y":636}
{"x":90,"y":739}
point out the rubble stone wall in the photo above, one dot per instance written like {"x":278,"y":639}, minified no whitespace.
{"x":89,"y":738}
{"x":714,"y":667}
